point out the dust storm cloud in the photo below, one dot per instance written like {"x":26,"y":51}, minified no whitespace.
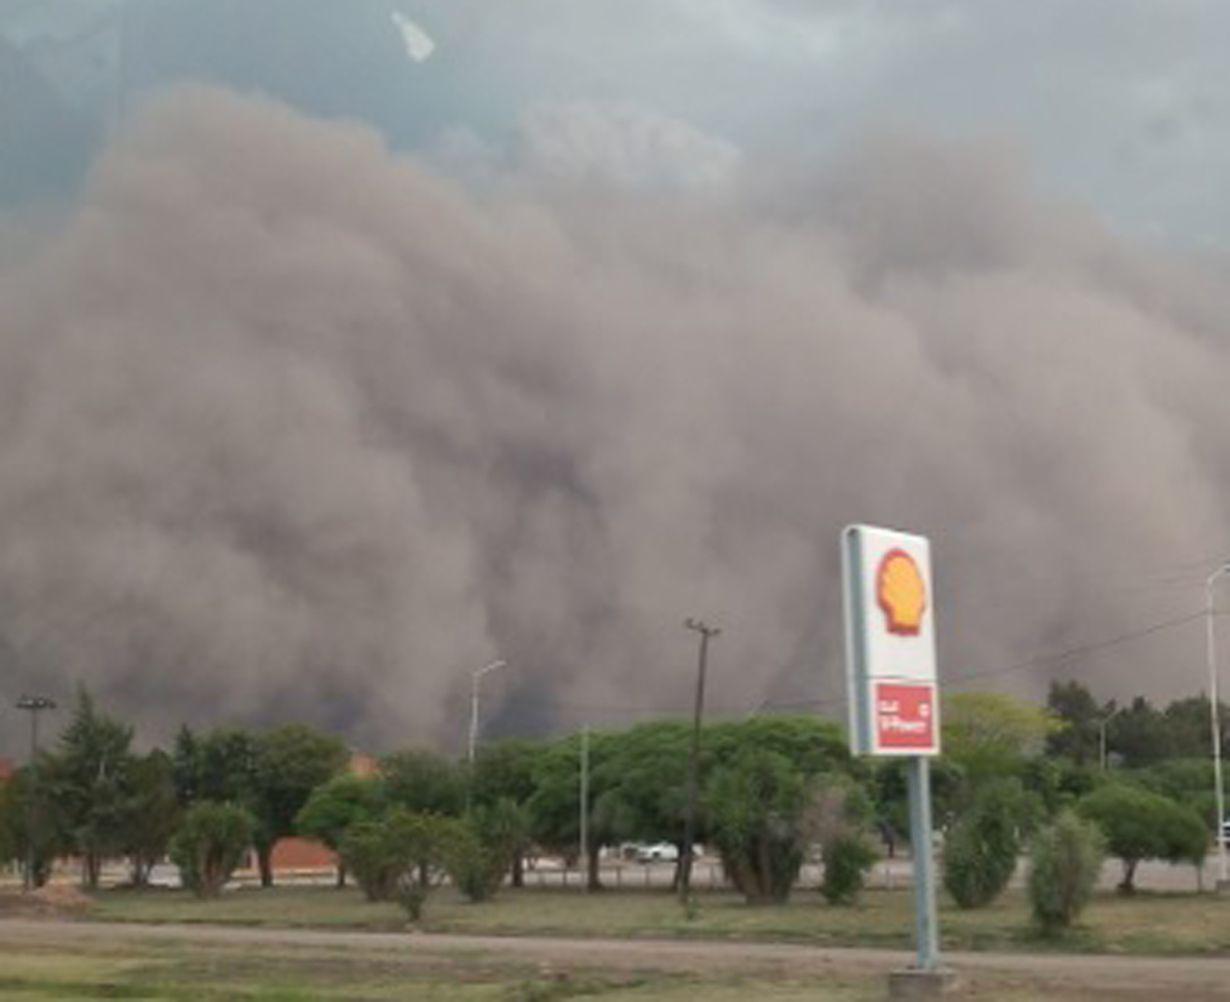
{"x":294,"y":428}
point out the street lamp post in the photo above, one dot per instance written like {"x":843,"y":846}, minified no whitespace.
{"x":477,"y":674}
{"x":32,"y":704}
{"x":1102,"y":722}
{"x":1215,"y":723}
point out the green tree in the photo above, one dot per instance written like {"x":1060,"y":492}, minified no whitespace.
{"x":504,"y":770}
{"x":209,"y":845}
{"x":335,"y":806}
{"x":991,"y":735}
{"x":186,"y":766}
{"x":1140,"y":825}
{"x":642,"y":789}
{"x":151,"y":814}
{"x":1185,"y":838}
{"x":1065,"y":860}
{"x":1079,"y":714}
{"x":424,"y":782}
{"x":1187,"y":726}
{"x":554,"y":808}
{"x":218,"y":766}
{"x":890,"y":793}
{"x":756,"y":807}
{"x":1139,"y":734}
{"x":290,"y":762}
{"x":29,"y":816}
{"x":90,"y":777}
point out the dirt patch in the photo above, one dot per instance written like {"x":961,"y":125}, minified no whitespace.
{"x":55,"y":901}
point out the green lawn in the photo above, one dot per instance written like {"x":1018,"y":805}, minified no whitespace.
{"x":1145,"y":923}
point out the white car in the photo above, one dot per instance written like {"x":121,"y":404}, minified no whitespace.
{"x":658,"y":852}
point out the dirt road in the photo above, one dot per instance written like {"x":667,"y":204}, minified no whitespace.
{"x":1060,"y":975}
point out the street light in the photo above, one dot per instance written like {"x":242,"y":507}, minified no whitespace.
{"x":1102,"y":722}
{"x":1215,"y":722}
{"x":33,"y":704}
{"x":477,"y":674}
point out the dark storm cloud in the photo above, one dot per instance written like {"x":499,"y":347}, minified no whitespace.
{"x":294,"y":428}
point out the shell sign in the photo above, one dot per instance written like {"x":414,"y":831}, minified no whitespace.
{"x":901,"y":593}
{"x":890,"y":642}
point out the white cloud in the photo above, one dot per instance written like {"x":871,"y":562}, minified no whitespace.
{"x":419,"y":44}
{"x":626,"y":146}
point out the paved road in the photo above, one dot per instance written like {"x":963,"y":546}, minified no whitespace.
{"x":1192,"y":979}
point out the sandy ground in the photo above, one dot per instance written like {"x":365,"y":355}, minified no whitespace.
{"x":1038,"y":975}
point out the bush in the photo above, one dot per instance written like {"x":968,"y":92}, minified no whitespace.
{"x":1065,"y":861}
{"x":756,"y":812}
{"x":367,"y":851}
{"x":482,"y":847}
{"x":209,"y":845}
{"x":395,"y":854}
{"x":477,"y":870}
{"x":980,"y":851}
{"x":847,"y":858}
{"x":838,"y":818}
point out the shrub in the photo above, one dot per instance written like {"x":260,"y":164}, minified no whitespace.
{"x":481,"y":848}
{"x":475,"y":869}
{"x":209,"y":845}
{"x":838,"y":818}
{"x":755,"y":809}
{"x":847,"y":858}
{"x":1065,"y":860}
{"x":368,"y":852}
{"x":402,"y":850}
{"x":980,"y":851}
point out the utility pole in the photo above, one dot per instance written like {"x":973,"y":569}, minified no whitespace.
{"x":585,"y":805}
{"x":1215,"y":724}
{"x":33,"y":704}
{"x":689,"y":823}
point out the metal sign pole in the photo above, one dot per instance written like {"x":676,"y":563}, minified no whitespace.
{"x":926,"y":922}
{"x":894,"y":705}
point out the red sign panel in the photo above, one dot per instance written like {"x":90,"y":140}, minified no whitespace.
{"x":905,"y":716}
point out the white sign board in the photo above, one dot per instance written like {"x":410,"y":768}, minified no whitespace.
{"x":890,"y":642}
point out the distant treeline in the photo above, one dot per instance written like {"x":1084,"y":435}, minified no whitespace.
{"x":771,"y":790}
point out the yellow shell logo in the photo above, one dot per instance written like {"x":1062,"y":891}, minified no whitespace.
{"x":901,"y":592}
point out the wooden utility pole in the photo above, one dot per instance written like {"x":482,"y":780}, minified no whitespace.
{"x":689,"y":823}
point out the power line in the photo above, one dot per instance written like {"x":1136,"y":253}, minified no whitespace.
{"x":1083,"y":649}
{"x":1033,"y":661}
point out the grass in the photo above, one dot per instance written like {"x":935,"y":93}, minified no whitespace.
{"x":1146,"y":923}
{"x":179,"y":972}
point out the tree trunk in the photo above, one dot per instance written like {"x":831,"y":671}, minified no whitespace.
{"x":264,"y":859}
{"x":1129,"y":872}
{"x":341,"y":875}
{"x":91,"y":864}
{"x":677,"y":877}
{"x":594,"y":880}
{"x":518,"y":870}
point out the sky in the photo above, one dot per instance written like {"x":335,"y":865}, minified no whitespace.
{"x":349,"y":346}
{"x":1120,"y":104}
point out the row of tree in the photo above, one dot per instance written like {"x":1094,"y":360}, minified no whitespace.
{"x":773,"y":789}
